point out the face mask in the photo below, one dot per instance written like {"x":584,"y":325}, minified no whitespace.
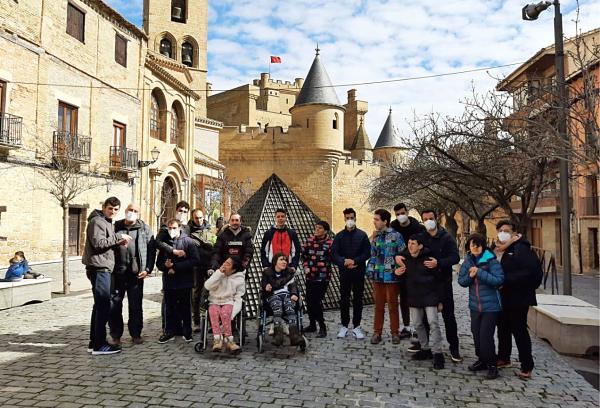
{"x":131,"y":216}
{"x":174,"y":233}
{"x":402,"y":218}
{"x":504,"y":236}
{"x":430,"y":225}
{"x":181,"y":217}
{"x":350,"y":223}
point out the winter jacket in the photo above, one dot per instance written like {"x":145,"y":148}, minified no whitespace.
{"x":281,"y":282}
{"x":522,"y":275}
{"x":226,"y":290}
{"x":351,"y":244}
{"x":183,"y":277}
{"x":164,"y":241}
{"x":142,"y":248}
{"x":16,"y":271}
{"x":483,"y":289}
{"x":386,"y":245}
{"x":280,"y":240}
{"x":413,"y":228}
{"x":229,"y":244}
{"x":316,"y":255}
{"x":201,"y":236}
{"x":100,"y":243}
{"x":443,"y":248}
{"x":424,"y":286}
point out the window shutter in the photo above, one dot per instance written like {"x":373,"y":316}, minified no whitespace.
{"x":75,"y":22}
{"x":120,"y":50}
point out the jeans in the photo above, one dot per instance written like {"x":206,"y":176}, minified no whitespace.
{"x":483,"y":326}
{"x":101,"y":285}
{"x":417,"y":315}
{"x":126,"y":284}
{"x":178,"y":311}
{"x":351,"y":281}
{"x":315,"y":292}
{"x":513,"y":322}
{"x":386,"y":293}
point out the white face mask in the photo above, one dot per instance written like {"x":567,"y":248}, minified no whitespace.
{"x":181,"y":217}
{"x":131,"y":216}
{"x":430,"y":225}
{"x":174,"y":233}
{"x":350,"y":223}
{"x":402,"y":218}
{"x":504,"y":236}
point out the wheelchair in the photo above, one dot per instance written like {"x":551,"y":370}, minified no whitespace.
{"x":265,"y":319}
{"x":237,"y":325}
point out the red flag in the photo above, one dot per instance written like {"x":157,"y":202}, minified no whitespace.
{"x":275,"y":60}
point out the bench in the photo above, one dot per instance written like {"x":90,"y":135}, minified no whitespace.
{"x":13,"y":294}
{"x":571,"y":325}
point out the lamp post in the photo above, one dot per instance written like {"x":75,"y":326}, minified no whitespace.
{"x":531,"y":12}
{"x":145,"y":163}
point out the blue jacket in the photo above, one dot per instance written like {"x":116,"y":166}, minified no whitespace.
{"x":484,"y":295}
{"x":183,"y":277}
{"x":16,"y":271}
{"x":386,"y":245}
{"x":353,"y":245}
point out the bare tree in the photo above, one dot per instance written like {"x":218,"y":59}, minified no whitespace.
{"x":159,"y":202}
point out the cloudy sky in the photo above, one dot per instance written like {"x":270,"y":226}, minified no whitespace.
{"x":371,"y":40}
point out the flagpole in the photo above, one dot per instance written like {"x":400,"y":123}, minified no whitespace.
{"x":269,"y":67}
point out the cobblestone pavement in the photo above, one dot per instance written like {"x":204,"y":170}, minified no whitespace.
{"x":44,"y":363}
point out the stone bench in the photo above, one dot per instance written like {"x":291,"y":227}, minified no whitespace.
{"x":13,"y":294}
{"x":571,"y":325}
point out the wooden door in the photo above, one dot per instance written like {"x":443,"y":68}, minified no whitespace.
{"x":119,"y":143}
{"x":67,"y":117}
{"x":74,"y":230}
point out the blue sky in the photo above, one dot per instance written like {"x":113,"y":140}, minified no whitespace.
{"x":370,"y":40}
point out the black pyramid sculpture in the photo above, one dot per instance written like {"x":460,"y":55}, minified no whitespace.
{"x":258,"y":213}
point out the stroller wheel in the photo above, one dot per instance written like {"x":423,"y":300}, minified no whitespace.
{"x":260,"y":343}
{"x":199,"y":347}
{"x":302,"y":344}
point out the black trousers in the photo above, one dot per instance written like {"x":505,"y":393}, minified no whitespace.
{"x":199,"y":279}
{"x":126,"y":284}
{"x":483,"y":327}
{"x":449,"y":318}
{"x":315,"y":292}
{"x":351,"y":281}
{"x":404,"y":309}
{"x":513,"y":322}
{"x":178,"y":311}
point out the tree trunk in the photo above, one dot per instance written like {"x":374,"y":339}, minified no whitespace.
{"x":451,"y":224}
{"x":65,"y":250}
{"x":481,"y":228}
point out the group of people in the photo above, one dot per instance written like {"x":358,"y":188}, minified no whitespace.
{"x":410,"y":265}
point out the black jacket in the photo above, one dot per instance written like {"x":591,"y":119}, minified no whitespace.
{"x":198,"y":233}
{"x":144,"y":247}
{"x":424,"y":286}
{"x":292,"y":245}
{"x":183,"y":266}
{"x":231,"y":245}
{"x":522,"y":275}
{"x":163,"y":239}
{"x":284,"y":280}
{"x":413,"y":228}
{"x":353,"y":245}
{"x":443,"y":248}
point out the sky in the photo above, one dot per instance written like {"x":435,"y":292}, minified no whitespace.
{"x":373,"y":40}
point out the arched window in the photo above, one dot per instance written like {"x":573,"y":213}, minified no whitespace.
{"x":168,"y":200}
{"x":154,"y":118}
{"x":187,"y":54}
{"x":179,"y":11}
{"x":174,"y":126}
{"x":177,"y":125}
{"x":166,"y":48}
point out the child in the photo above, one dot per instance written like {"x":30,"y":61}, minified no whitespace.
{"x":226,"y":286}
{"x":483,"y":275}
{"x":16,"y":270}
{"x":29,"y":274}
{"x":424,"y":291}
{"x":281,"y":293}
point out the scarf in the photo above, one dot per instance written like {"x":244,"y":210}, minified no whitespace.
{"x":500,"y":247}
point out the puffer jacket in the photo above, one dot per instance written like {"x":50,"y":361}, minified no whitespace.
{"x":100,"y":243}
{"x":281,"y":282}
{"x":226,"y":290}
{"x":386,"y":245}
{"x":484,"y":295}
{"x":424,"y":285}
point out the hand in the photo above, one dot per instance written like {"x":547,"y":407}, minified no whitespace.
{"x":126,"y":237}
{"x":400,"y":271}
{"x":473,"y":271}
{"x":268,"y":288}
{"x":210,"y":272}
{"x":179,"y":252}
{"x":399,"y":260}
{"x":440,"y":307}
{"x":142,"y":275}
{"x":294,"y":298}
{"x":171,"y":271}
{"x":432,"y":263}
{"x":307,"y":270}
{"x":348,"y":262}
{"x":169,"y":263}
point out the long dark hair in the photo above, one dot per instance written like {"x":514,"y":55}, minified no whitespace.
{"x":276,"y":258}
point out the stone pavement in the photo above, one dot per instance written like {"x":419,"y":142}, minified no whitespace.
{"x":43,"y":363}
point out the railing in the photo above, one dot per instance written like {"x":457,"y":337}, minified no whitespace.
{"x":123,"y":159}
{"x":549,"y":267}
{"x":10,"y":130}
{"x":590,"y":206}
{"x":71,"y":146}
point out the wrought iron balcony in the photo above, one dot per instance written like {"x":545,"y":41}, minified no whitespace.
{"x":123,"y":159}
{"x":71,"y":146}
{"x":10,"y":130}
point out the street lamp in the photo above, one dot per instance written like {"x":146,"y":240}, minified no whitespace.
{"x":531,"y":12}
{"x":154,"y":153}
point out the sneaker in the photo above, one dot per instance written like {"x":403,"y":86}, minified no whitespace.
{"x":376,"y":339}
{"x":105,"y":350}
{"x":137,"y":340}
{"x":477,"y":366}
{"x":405,"y":333}
{"x":455,"y":356}
{"x":438,"y":361}
{"x":422,"y":355}
{"x":232,"y":347}
{"x":115,"y":342}
{"x":503,"y":364}
{"x":294,"y":335}
{"x":188,"y":338}
{"x":343,"y":332}
{"x":90,"y":347}
{"x":358,"y":333}
{"x":166,"y":338}
{"x":492,"y":373}
{"x":217,"y":345}
{"x":416,"y":347}
{"x":278,"y":335}
{"x":395,"y":339}
{"x":322,"y":331}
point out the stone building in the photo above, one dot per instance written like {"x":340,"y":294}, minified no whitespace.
{"x":77,"y":77}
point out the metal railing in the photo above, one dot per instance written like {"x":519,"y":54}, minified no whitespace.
{"x":589,"y":206}
{"x":122,"y":158}
{"x":548,"y":261}
{"x":71,"y":146}
{"x":10,"y":130}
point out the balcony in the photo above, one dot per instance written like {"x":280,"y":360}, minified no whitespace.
{"x":71,"y":146}
{"x":589,"y":206}
{"x":123,"y":159}
{"x":10,"y":130}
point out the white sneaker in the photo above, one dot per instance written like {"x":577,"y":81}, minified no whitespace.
{"x":358,"y":333}
{"x":343,"y":332}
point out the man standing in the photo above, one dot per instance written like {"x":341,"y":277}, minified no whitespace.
{"x":350,"y":251}
{"x":235,"y":241}
{"x":133,"y":263}
{"x":280,"y":238}
{"x":407,"y":226}
{"x":163,"y":239}
{"x":99,"y":260}
{"x":201,"y":235}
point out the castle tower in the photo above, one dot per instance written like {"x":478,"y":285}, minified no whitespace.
{"x":361,"y":146}
{"x":388,"y":147}
{"x":355,"y":114}
{"x":178,"y":30}
{"x":318,"y":111}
